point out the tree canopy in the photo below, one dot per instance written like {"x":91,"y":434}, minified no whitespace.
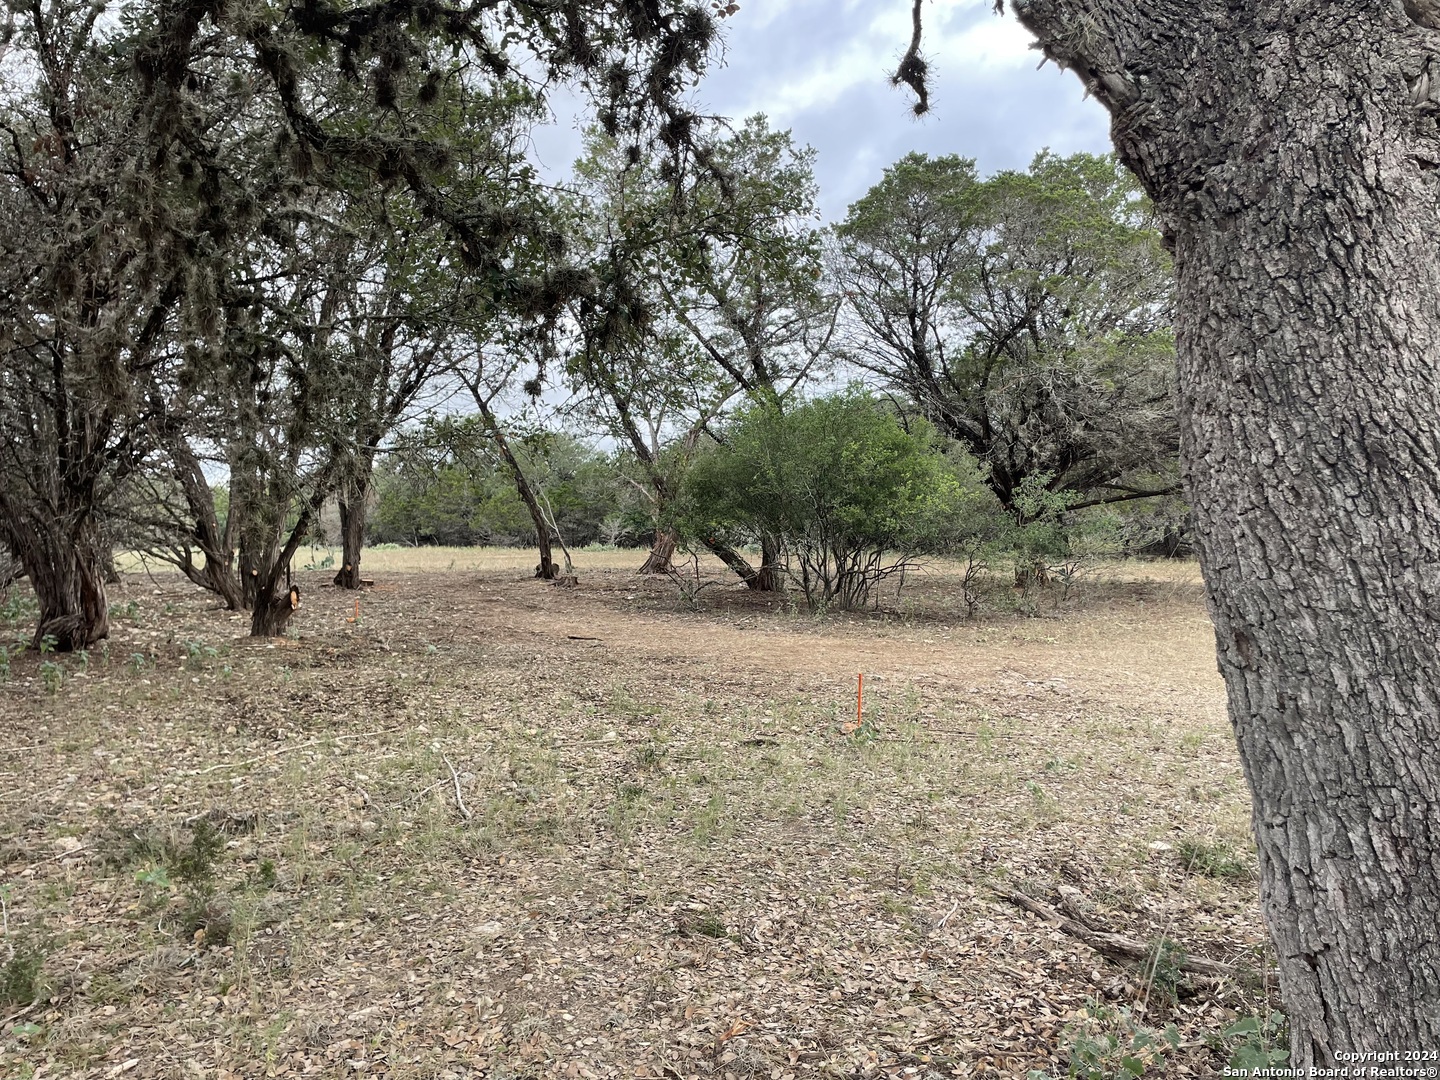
{"x":1026,"y":315}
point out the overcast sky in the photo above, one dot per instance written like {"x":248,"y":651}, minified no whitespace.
{"x":819,"y":67}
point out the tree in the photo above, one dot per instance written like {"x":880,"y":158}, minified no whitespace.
{"x":91,"y":288}
{"x":730,"y":275}
{"x":1291,"y":148}
{"x":130,"y":179}
{"x":852,"y":494}
{"x":1026,"y":316}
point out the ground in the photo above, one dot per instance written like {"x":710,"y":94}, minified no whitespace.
{"x":480,"y":826}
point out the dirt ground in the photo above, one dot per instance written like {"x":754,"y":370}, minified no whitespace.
{"x":494,"y":828}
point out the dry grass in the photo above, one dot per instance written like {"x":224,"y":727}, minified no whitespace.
{"x":679,"y":859}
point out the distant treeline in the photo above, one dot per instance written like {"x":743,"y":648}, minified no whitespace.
{"x":429,"y":494}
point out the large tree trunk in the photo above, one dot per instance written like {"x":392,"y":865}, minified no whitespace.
{"x":769,"y":576}
{"x":66,"y":570}
{"x":269,"y":618}
{"x":1292,"y":148}
{"x":662,"y":552}
{"x":352,"y":501}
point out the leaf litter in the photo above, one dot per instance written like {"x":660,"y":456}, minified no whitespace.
{"x":495,"y":829}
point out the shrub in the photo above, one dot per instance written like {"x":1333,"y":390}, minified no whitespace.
{"x":1111,"y":1044}
{"x":851,"y":494}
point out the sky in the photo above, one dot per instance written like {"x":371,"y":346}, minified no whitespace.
{"x":820,"y":67}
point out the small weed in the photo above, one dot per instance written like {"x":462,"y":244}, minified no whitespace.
{"x":197,"y":652}
{"x":323,"y":564}
{"x":1217,"y":860}
{"x":4,"y":664}
{"x":21,"y":976}
{"x":186,"y":867}
{"x":1255,"y":1043}
{"x":52,"y":675}
{"x":265,"y":876}
{"x":155,"y":886}
{"x":19,"y":609}
{"x":702,"y":924}
{"x":1165,"y":968}
{"x":1110,"y":1044}
{"x":129,"y":610}
{"x":651,"y":756}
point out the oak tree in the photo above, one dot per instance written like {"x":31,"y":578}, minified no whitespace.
{"x":1292,"y":150}
{"x":1026,"y":315}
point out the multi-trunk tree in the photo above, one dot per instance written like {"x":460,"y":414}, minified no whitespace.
{"x":132,"y":183}
{"x":1292,"y":149}
{"x":97,"y":230}
{"x":1025,"y":315}
{"x":728,"y":271}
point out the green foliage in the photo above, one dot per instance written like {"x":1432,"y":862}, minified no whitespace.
{"x":197,"y":653}
{"x":1165,"y":969}
{"x":177,"y":866}
{"x":446,"y":485}
{"x":52,"y":675}
{"x":1044,"y":299}
{"x":19,"y":608}
{"x":1217,"y":859}
{"x":852,"y":494}
{"x":21,"y":975}
{"x":1256,"y":1042}
{"x":1111,"y":1044}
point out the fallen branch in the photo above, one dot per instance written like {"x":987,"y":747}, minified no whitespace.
{"x":1105,"y":942}
{"x":459,"y":801}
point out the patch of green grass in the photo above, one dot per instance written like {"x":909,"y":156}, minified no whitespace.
{"x":1216,"y":860}
{"x":22,"y":980}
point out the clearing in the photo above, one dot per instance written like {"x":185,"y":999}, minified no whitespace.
{"x":495,"y":828}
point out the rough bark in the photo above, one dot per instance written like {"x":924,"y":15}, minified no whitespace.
{"x":66,"y":570}
{"x":662,"y":552}
{"x":271,"y":616}
{"x":769,"y":576}
{"x":11,"y":569}
{"x":215,"y":542}
{"x":1292,"y":148}
{"x":353,"y":503}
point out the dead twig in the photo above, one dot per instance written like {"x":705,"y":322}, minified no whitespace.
{"x":459,"y":799}
{"x":61,"y":855}
{"x":947,"y":916}
{"x":1103,"y":941}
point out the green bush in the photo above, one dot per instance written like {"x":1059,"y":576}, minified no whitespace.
{"x":853,"y":496}
{"x":1256,"y":1043}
